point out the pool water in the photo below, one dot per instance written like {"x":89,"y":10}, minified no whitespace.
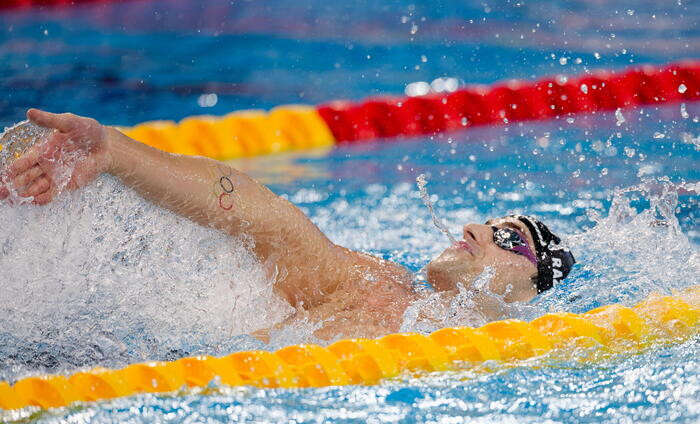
{"x":101,"y":277}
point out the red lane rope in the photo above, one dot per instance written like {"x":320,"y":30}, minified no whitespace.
{"x":25,"y":4}
{"x":509,"y":101}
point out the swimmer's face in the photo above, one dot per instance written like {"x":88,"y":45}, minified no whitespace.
{"x":464,"y":261}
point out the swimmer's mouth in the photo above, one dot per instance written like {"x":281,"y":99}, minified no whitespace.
{"x":464,"y":245}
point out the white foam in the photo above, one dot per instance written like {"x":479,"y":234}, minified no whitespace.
{"x":100,"y":275}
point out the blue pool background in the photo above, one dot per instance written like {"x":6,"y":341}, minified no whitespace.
{"x":144,"y":60}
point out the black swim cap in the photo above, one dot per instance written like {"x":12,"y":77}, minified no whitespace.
{"x":554,"y":261}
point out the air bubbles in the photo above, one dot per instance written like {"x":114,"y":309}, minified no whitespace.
{"x":563,"y":60}
{"x":584,"y":88}
{"x":658,"y":135}
{"x":682,"y":88}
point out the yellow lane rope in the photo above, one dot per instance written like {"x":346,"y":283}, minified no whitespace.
{"x":614,"y":328}
{"x":238,"y":134}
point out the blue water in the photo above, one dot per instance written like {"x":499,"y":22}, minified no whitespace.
{"x":144,"y":60}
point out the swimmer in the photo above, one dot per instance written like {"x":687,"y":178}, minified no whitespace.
{"x":347,"y":293}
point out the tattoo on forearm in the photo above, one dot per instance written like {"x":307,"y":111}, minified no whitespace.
{"x":224,"y":187}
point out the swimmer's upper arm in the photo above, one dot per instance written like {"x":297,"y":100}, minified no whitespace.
{"x":304,"y":262}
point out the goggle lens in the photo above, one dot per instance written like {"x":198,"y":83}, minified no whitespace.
{"x":507,"y":238}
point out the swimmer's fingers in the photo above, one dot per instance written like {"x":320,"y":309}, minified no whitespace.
{"x":35,"y":187}
{"x":40,"y":186}
{"x":43,"y":198}
{"x":23,"y":163}
{"x":27,"y":177}
{"x":64,"y":122}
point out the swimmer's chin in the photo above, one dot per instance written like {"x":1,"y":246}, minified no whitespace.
{"x":453,"y":266}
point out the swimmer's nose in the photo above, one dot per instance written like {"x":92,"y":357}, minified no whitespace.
{"x":479,"y":233}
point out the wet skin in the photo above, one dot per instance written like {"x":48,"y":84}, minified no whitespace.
{"x":348,"y":293}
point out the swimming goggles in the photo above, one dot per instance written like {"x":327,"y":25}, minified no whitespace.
{"x":513,"y":241}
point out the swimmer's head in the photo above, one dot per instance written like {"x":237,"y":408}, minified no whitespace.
{"x":525,"y":257}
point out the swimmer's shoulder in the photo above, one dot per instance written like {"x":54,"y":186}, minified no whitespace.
{"x":379,"y":268}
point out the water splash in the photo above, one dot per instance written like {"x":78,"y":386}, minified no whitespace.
{"x":16,"y":141}
{"x":421,"y":182}
{"x":630,"y":252}
{"x":619,"y":117}
{"x":101,"y":276}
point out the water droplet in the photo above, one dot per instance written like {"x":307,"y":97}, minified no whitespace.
{"x":208,"y":100}
{"x":464,"y":122}
{"x":421,"y":182}
{"x":658,"y":135}
{"x":682,"y":88}
{"x":584,"y":88}
{"x":684,"y":112}
{"x":417,"y":88}
{"x":562,"y":61}
{"x":618,"y":116}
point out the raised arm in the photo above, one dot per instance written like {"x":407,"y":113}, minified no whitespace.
{"x":304,"y":262}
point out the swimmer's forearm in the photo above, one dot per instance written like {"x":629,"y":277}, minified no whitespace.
{"x":216,"y":195}
{"x":182,"y":184}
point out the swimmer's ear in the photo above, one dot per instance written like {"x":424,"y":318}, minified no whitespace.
{"x":63,"y":122}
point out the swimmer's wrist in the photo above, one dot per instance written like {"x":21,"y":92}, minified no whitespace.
{"x":115,"y":142}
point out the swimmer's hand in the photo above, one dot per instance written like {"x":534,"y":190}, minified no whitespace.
{"x":78,"y":143}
